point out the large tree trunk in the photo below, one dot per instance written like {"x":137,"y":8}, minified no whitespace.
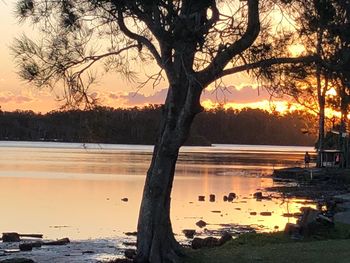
{"x":156,"y":242}
{"x":155,"y":238}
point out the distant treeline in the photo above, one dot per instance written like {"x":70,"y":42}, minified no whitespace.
{"x":139,"y":126}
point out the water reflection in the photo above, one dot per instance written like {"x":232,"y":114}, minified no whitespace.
{"x":77,"y":192}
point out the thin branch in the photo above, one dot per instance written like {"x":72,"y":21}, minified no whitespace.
{"x":225,"y":55}
{"x":139,"y":38}
{"x":268,"y":63}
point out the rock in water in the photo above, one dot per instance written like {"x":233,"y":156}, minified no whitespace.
{"x":212,"y":198}
{"x":231,"y":197}
{"x":10,"y":237}
{"x":265,"y":213}
{"x":189,"y":233}
{"x":201,"y":223}
{"x":25,"y":247}
{"x":131,"y":233}
{"x":258,"y":195}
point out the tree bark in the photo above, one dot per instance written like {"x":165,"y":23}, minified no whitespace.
{"x":321,"y":130}
{"x":321,"y":93}
{"x":155,"y":239}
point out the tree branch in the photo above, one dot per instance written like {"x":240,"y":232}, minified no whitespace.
{"x":138,"y":38}
{"x":224,"y":56}
{"x":96,"y":58}
{"x":268,"y":63}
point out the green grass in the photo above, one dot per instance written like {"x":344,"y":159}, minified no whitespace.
{"x":331,"y":246}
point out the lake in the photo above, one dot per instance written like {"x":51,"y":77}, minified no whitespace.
{"x":75,"y":190}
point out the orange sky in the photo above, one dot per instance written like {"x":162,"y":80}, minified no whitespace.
{"x":112,"y":89}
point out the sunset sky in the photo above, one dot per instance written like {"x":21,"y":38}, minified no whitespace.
{"x":112,"y":90}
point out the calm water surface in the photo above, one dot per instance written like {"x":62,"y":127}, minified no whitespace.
{"x":75,"y":190}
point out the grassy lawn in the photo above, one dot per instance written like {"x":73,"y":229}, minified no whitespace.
{"x":329,"y":246}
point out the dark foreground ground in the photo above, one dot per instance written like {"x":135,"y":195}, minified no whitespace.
{"x":271,"y":248}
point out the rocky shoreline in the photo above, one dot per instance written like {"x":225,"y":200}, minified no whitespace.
{"x":315,"y":184}
{"x":329,"y":188}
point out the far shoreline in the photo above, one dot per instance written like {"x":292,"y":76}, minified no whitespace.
{"x":111,"y":146}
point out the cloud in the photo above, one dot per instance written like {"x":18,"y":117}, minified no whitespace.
{"x":10,"y":97}
{"x":138,"y":99}
{"x":245,"y":94}
{"x":43,"y":101}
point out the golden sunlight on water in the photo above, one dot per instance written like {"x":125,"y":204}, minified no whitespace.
{"x":77,"y":192}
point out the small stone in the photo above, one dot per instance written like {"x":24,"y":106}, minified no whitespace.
{"x":231,"y":197}
{"x":258,"y":195}
{"x":25,"y":247}
{"x":125,"y":199}
{"x":212,"y":198}
{"x":253,"y":213}
{"x":201,"y":198}
{"x":225,"y":198}
{"x":189,"y":233}
{"x":130,"y":233}
{"x":265,"y":213}
{"x":10,"y":237}
{"x":216,"y":211}
{"x":201,"y":223}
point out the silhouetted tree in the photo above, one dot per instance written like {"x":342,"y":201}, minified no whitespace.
{"x":139,"y":126}
{"x":194,"y":42}
{"x":322,"y":27}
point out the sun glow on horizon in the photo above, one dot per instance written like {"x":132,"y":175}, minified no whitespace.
{"x":282,"y":107}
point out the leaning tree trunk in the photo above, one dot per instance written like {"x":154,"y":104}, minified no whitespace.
{"x":321,"y":93}
{"x":321,"y":124}
{"x":155,"y":238}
